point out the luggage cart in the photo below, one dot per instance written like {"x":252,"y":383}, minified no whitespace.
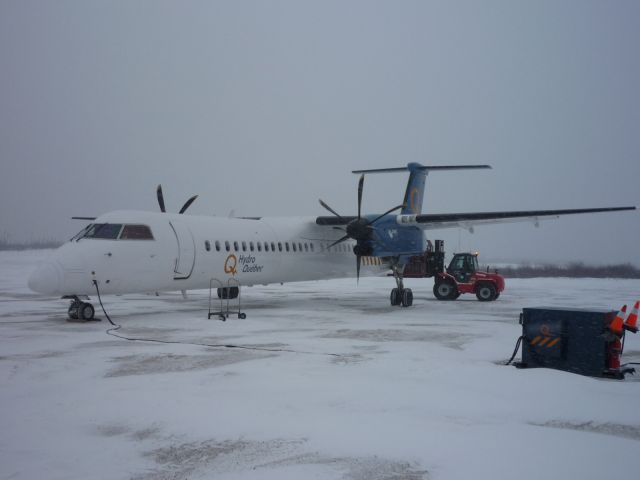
{"x":226,"y":308}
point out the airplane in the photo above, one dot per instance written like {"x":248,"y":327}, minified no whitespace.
{"x":140,"y":251}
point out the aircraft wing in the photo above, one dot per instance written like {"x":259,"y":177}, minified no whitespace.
{"x":468,"y":220}
{"x":334,"y":220}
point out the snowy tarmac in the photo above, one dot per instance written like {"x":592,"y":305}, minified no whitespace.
{"x":326,"y":381}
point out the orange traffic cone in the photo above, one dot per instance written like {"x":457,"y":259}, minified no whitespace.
{"x":631,"y":323}
{"x":617,"y":324}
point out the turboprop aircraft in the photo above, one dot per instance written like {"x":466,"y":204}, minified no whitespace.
{"x":137,"y":251}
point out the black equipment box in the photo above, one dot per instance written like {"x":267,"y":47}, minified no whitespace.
{"x":573,"y":340}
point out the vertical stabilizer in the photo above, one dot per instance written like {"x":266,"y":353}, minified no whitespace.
{"x":414,"y":194}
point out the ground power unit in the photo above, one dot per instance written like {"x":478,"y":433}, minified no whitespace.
{"x":574,"y":340}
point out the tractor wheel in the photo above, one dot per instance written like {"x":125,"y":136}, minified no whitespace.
{"x":486,"y":292}
{"x":445,"y":290}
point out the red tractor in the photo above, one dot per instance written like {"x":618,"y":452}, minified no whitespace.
{"x":461,"y":276}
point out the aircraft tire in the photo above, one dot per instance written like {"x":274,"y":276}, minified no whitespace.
{"x":228,"y":292}
{"x":407,"y":297}
{"x":86,"y":311}
{"x":395,"y":297}
{"x":445,"y":290}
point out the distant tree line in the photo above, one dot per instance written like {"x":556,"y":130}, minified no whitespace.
{"x":6,"y":244}
{"x":574,"y":270}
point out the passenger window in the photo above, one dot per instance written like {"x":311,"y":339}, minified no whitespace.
{"x":244,"y":246}
{"x":266,"y":246}
{"x":235,"y":246}
{"x":311,"y":245}
{"x":286,"y":246}
{"x":227,"y":246}
{"x":306,"y":247}
{"x":136,"y":232}
{"x":273,"y":247}
{"x":259,"y":245}
{"x":207,"y":245}
{"x":280,"y":246}
{"x":293,"y":244}
{"x":251,"y":246}
{"x":217,"y":246}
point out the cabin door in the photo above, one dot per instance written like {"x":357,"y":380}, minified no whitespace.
{"x":186,"y":258}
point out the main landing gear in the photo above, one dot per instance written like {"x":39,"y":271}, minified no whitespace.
{"x":228,"y":292}
{"x":400,"y":296}
{"x":79,"y":310}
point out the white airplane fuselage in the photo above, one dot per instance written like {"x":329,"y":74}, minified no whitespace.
{"x":189,"y":251}
{"x":137,"y":251}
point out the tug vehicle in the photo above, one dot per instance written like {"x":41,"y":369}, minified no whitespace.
{"x":461,"y":276}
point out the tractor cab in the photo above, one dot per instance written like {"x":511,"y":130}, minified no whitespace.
{"x":461,"y":276}
{"x":463,"y":266}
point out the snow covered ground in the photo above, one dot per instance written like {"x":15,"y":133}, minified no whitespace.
{"x":331,"y":382}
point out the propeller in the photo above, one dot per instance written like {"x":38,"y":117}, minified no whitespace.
{"x":160,"y":196}
{"x":359,"y":229}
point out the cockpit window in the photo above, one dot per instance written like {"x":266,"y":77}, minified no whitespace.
{"x":136,"y":232}
{"x":103,"y":230}
{"x":81,"y":233}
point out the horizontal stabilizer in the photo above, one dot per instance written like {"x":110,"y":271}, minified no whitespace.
{"x":425,"y":168}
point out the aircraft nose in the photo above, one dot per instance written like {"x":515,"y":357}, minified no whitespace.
{"x":45,"y":279}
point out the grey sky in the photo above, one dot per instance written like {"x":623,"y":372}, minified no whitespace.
{"x":263,"y":107}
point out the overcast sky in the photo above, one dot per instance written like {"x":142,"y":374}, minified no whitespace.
{"x":263,"y":107}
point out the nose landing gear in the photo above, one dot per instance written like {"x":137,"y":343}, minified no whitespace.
{"x":79,"y":310}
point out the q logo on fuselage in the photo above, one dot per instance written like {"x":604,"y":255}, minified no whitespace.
{"x":230,"y":264}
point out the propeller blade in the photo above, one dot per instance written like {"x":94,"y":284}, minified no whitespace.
{"x":358,"y":260}
{"x":386,"y":213}
{"x":360,"y":187}
{"x":329,"y":208}
{"x":341,"y":229}
{"x":346,"y":237}
{"x":160,"y":199}
{"x":187,"y":204}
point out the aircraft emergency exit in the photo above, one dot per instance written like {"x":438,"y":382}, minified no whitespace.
{"x":138,"y":251}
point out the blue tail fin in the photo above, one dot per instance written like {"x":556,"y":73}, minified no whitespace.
{"x":414,"y":194}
